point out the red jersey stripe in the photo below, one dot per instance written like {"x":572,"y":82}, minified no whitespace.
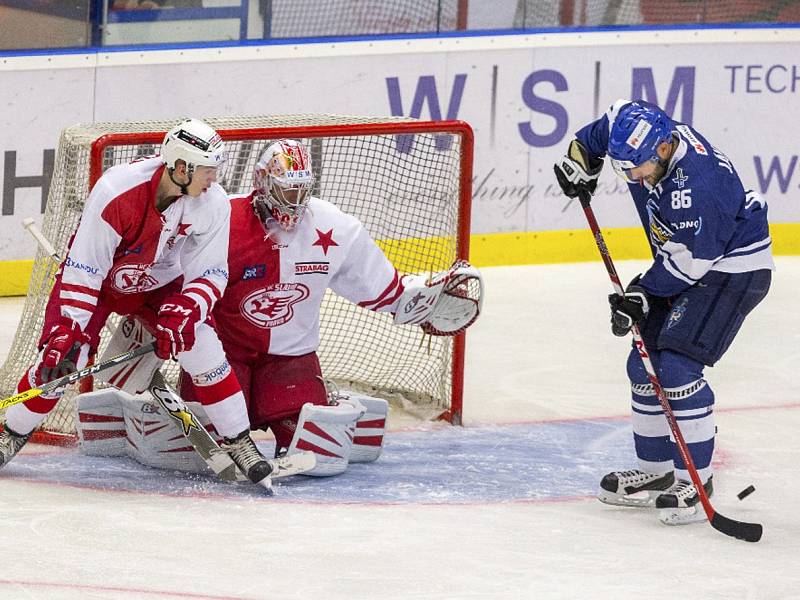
{"x":209,"y":284}
{"x":77,"y":304}
{"x":202,"y":294}
{"x":400,"y":289}
{"x":384,"y":293}
{"x":80,"y":289}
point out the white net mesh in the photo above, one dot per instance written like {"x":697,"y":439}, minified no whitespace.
{"x":405,"y":188}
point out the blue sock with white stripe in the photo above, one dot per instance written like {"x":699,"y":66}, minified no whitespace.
{"x":692,"y":402}
{"x":650,"y":428}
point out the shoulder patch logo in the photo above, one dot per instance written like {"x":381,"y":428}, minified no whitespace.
{"x":254,"y":272}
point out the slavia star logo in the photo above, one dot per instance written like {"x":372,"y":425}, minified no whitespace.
{"x":325,"y":240}
{"x":176,"y":409}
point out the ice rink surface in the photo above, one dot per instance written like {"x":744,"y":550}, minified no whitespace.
{"x":502,"y":508}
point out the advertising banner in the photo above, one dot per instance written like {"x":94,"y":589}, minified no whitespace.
{"x":524,"y":102}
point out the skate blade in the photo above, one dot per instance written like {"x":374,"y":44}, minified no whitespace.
{"x":682,"y":516}
{"x":266,"y":483}
{"x":638,"y":500}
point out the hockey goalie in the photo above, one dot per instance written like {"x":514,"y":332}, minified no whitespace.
{"x":286,"y":249}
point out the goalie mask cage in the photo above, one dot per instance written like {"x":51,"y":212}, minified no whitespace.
{"x":409,"y":182}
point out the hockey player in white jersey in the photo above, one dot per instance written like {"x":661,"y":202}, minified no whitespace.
{"x":712,"y":264}
{"x":152,"y":242}
{"x":286,"y":249}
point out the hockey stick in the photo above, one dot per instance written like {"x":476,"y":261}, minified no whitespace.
{"x":206,"y":446}
{"x":77,"y":375}
{"x":749,"y":532}
{"x":185,"y":420}
{"x":30,"y":226}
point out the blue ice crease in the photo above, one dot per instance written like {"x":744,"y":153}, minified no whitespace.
{"x":497,"y":463}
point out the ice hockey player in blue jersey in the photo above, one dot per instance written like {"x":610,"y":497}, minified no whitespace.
{"x":712,"y":265}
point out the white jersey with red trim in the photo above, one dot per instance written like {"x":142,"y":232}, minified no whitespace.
{"x":277,"y":285}
{"x":124,"y":246}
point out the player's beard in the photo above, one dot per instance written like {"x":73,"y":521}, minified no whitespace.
{"x":658,"y":174}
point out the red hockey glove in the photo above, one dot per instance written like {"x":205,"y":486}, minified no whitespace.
{"x":175,"y":325}
{"x":61,"y":350}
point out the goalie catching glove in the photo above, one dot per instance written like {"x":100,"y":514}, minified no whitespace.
{"x":446,"y":304}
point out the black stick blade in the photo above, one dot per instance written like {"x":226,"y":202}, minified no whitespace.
{"x":749,"y":532}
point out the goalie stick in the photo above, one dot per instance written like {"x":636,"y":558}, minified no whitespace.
{"x":215,"y":457}
{"x":749,"y":532}
{"x":77,"y":375}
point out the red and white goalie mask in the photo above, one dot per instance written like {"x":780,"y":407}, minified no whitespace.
{"x":283,"y":180}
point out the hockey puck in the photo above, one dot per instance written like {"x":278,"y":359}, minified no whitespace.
{"x":745,"y":492}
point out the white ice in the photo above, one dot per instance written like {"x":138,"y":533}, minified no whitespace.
{"x":541,"y":354}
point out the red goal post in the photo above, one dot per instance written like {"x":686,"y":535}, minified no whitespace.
{"x":409,"y":182}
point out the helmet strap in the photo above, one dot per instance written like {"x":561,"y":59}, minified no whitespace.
{"x":184,"y":186}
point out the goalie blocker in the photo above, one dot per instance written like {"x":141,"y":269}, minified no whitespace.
{"x":112,"y":422}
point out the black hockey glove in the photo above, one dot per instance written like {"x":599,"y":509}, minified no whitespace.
{"x":628,"y":310}
{"x":577,"y":170}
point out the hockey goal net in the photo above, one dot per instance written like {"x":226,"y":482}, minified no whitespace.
{"x":408,"y":182}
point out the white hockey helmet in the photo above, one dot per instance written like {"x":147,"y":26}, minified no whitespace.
{"x":195,"y":143}
{"x":282,"y":180}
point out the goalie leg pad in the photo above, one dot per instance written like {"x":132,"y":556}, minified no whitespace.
{"x":133,"y":376}
{"x":100,"y":423}
{"x":154,"y":441}
{"x":114,"y":423}
{"x":328,"y":432}
{"x":370,"y":427}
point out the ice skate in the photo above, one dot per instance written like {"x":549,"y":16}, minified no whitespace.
{"x":680,"y":504}
{"x":242,"y":449}
{"x":633,"y":488}
{"x":10,"y":444}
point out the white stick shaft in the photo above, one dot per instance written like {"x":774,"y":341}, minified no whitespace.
{"x":30,"y":225}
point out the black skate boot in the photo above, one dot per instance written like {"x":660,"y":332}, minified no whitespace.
{"x":620,"y":487}
{"x":680,"y":504}
{"x":11,"y":443}
{"x":242,"y":449}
